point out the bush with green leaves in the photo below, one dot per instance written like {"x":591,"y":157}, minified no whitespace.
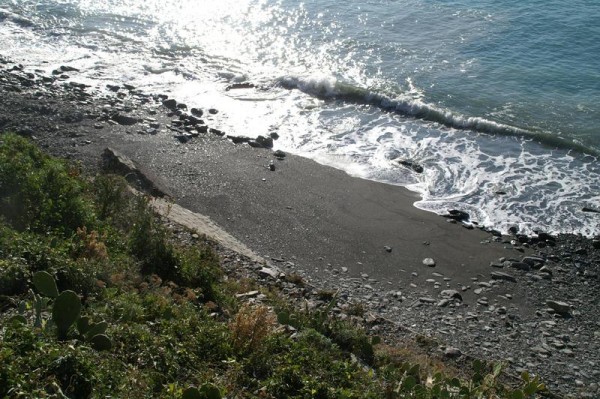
{"x":148,"y":242}
{"x":13,"y":276}
{"x":345,"y":335}
{"x":111,"y":196}
{"x":196,"y":267}
{"x":38,"y":192}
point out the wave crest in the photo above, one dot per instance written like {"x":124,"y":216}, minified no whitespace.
{"x":328,"y":87}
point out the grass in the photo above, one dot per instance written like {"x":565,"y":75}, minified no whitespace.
{"x":169,"y":319}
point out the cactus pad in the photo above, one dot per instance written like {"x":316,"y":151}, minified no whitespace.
{"x":191,"y":393}
{"x":101,"y":342}
{"x":65,"y":312}
{"x":96,"y":329}
{"x":45,"y":284}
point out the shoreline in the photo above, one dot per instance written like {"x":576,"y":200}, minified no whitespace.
{"x":332,"y":229}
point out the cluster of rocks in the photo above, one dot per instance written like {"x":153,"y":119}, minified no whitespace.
{"x":552,"y":343}
{"x":122,"y":105}
{"x":48,"y":104}
{"x":538,"y":312}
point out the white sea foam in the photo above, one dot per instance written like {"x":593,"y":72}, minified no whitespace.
{"x":501,"y":181}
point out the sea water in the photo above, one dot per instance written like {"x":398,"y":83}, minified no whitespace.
{"x":498,"y":102}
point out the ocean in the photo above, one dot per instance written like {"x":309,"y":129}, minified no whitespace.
{"x":488,"y":107}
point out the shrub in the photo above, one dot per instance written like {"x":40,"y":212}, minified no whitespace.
{"x":252,"y":325}
{"x":195,"y":267}
{"x":148,"y":243}
{"x":13,"y":277}
{"x":89,"y":245}
{"x":353,"y":340}
{"x":199,"y":268}
{"x":110,"y":195}
{"x":74,"y":376}
{"x":38,"y":192}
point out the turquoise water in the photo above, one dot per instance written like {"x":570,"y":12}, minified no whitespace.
{"x":499,"y":101}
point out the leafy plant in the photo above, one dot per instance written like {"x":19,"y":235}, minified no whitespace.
{"x":66,"y":310}
{"x":13,"y":277}
{"x":251,"y":327}
{"x":206,"y":391}
{"x":110,"y":192}
{"x":39,"y":192}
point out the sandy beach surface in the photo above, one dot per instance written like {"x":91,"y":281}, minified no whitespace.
{"x":529,"y":301}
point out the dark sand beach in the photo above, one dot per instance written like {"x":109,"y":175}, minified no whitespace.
{"x":363,"y":238}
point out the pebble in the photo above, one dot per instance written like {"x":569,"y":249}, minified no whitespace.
{"x":451,"y":294}
{"x":452,"y":352}
{"x":265,"y":271}
{"x":483,"y":302}
{"x":443,"y":303}
{"x":540,"y":350}
{"x":503,"y":276}
{"x":429,"y":262}
{"x":559,"y":307}
{"x":279,"y":154}
{"x":521,"y":266}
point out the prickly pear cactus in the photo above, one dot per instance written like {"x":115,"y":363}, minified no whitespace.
{"x":206,"y":391}
{"x":38,"y":306}
{"x":209,"y":391}
{"x":96,"y":329}
{"x":101,"y":342}
{"x":65,"y":312}
{"x":191,"y":393}
{"x":45,"y":284}
{"x":83,"y":325}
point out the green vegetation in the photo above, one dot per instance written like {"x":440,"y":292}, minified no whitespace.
{"x":97,"y":300}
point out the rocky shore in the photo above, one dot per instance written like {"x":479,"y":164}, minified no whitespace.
{"x":529,"y":301}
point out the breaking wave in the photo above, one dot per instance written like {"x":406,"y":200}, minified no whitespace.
{"x":405,"y":105}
